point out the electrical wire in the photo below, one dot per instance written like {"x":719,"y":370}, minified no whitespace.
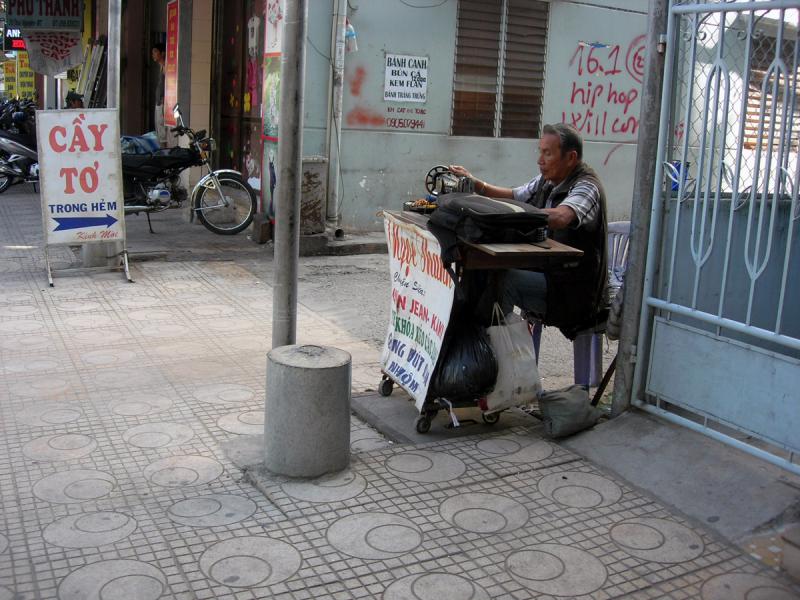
{"x":318,"y":51}
{"x":417,"y":6}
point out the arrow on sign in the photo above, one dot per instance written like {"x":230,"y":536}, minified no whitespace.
{"x":83,"y":222}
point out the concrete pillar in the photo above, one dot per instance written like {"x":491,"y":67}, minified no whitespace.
{"x":307,"y":421}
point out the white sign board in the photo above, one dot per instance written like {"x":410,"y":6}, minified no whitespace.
{"x":81,"y":176}
{"x":406,"y":78}
{"x":422,"y":297}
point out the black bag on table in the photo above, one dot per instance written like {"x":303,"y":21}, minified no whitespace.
{"x":479,"y":219}
{"x":467,"y":368}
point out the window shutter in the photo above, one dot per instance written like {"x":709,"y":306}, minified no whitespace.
{"x":477,"y":58}
{"x":524,"y":68}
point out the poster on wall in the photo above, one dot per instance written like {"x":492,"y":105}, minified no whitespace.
{"x":10,"y":77}
{"x":273,"y":36}
{"x":171,"y":64}
{"x":422,"y":298}
{"x":406,"y":78}
{"x":25,"y":77}
{"x":272,"y":95}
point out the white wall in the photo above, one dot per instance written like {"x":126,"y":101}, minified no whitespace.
{"x":383,"y":166}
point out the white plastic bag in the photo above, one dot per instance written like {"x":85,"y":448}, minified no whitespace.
{"x":518,"y":382}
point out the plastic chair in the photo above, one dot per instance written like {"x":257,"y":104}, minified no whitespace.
{"x":587,"y":348}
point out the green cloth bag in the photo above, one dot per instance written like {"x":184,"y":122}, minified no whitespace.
{"x":567,"y":411}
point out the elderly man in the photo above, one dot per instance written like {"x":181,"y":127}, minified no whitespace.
{"x":571,"y":194}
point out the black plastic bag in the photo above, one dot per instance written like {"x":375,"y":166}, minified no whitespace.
{"x":467,"y":368}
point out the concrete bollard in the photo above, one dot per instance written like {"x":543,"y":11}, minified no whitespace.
{"x":307,"y":420}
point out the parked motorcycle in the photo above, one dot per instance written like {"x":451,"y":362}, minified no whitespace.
{"x":19,"y":161}
{"x":223,"y":201}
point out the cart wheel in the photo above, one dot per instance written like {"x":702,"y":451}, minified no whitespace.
{"x":490,"y":418}
{"x":385,"y":387}
{"x":422,"y":424}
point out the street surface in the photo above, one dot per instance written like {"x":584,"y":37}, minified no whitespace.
{"x":120,"y":403}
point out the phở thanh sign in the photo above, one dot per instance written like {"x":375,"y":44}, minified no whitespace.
{"x":64,"y":15}
{"x":80,"y":176}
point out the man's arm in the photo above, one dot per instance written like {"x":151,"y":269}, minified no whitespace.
{"x":483,"y":188}
{"x":560,"y":217}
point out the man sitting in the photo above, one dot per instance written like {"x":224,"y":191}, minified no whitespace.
{"x":569,"y":191}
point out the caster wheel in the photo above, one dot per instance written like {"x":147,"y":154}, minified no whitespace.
{"x":385,"y":387}
{"x":490,"y":418}
{"x":422,"y":424}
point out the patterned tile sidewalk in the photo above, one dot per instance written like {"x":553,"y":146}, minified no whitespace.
{"x":116,"y":403}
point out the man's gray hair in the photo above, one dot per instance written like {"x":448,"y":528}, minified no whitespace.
{"x":568,"y":135}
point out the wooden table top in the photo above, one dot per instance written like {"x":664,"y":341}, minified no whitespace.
{"x":539,"y":256}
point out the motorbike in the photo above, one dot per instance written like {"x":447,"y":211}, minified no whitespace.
{"x":223,"y":202}
{"x":19,"y":160}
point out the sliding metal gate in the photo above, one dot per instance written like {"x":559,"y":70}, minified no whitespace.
{"x":719,"y":345}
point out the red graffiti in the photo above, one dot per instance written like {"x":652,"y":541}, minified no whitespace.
{"x":364,"y":116}
{"x":610,"y":152}
{"x":603,"y":96}
{"x":634,"y":60}
{"x":357,"y":81}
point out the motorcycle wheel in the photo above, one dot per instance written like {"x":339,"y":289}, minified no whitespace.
{"x":5,"y":183}
{"x":230,"y":219}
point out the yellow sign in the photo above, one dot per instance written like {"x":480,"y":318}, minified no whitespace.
{"x":10,"y":74}
{"x":25,"y":79}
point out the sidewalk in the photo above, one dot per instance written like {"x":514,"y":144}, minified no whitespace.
{"x":121,"y":409}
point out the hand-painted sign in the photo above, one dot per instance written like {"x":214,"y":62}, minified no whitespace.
{"x":81,"y":176}
{"x":406,"y":78}
{"x":26,"y":87}
{"x":49,"y":14}
{"x":171,"y":64}
{"x":422,"y":297}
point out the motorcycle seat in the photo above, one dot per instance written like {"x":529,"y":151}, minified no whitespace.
{"x":169,"y":158}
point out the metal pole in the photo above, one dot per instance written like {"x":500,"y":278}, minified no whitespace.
{"x":335,"y":122}
{"x":644,"y":179}
{"x":114,"y":43}
{"x":100,"y":255}
{"x":290,"y":172}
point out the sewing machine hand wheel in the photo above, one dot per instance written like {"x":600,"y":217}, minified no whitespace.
{"x":433,"y":175}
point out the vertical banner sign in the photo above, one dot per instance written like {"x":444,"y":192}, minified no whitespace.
{"x":422,"y":297}
{"x":10,"y":76}
{"x":171,"y":64}
{"x":25,"y":77}
{"x":80,"y":175}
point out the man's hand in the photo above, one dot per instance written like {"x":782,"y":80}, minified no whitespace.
{"x":460,"y":171}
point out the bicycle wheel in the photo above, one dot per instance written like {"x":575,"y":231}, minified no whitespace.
{"x":231,"y":215}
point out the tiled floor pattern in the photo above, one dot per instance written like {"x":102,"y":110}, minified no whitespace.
{"x":116,"y":400}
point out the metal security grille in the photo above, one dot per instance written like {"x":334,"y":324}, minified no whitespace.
{"x":720,"y":336}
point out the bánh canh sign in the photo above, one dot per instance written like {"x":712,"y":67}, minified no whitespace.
{"x":406,"y":78}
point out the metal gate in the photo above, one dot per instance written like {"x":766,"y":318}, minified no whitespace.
{"x":719,"y":342}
